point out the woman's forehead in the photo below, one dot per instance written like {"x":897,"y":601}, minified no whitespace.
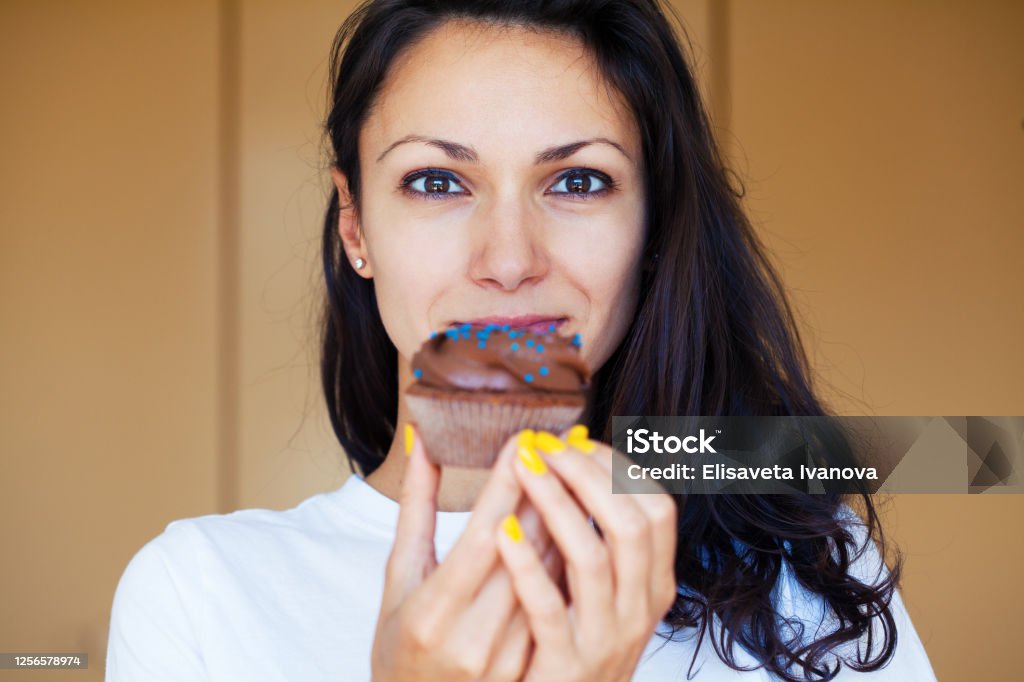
{"x":496,"y":87}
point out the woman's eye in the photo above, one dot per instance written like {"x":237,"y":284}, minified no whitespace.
{"x":574,"y":184}
{"x":432,"y":185}
{"x":582,"y":184}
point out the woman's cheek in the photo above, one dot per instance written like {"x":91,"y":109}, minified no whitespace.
{"x":394,"y":315}
{"x":404,"y":292}
{"x":614,"y":293}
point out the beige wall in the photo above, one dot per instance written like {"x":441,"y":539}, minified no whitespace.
{"x":882,"y":147}
{"x":108,"y":301}
{"x":287,"y":449}
{"x":160,"y":204}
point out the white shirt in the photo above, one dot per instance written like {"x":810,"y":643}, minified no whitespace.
{"x":294,"y":595}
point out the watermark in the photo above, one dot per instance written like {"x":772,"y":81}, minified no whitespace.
{"x":44,"y":661}
{"x":815,"y":455}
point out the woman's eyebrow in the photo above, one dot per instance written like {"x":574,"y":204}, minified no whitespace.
{"x":566,"y":150}
{"x":453,"y":149}
{"x":460,"y":152}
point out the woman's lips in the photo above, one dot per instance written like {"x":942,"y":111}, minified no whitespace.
{"x":538,"y":324}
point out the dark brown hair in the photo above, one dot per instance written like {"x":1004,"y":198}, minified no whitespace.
{"x":713,"y":335}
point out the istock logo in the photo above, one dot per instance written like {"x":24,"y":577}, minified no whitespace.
{"x":648,"y":441}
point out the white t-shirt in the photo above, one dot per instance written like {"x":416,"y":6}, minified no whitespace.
{"x":294,"y":595}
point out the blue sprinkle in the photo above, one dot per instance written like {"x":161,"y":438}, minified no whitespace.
{"x":513,"y":334}
{"x":465,"y":327}
{"x":481,"y":344}
{"x":452,"y":334}
{"x":490,"y":327}
{"x":551,"y":328}
{"x":576,"y":341}
{"x":505,"y":327}
{"x":483,"y":334}
{"x":417,"y":373}
{"x":514,"y":346}
{"x":465,"y":335}
{"x":543,"y":371}
{"x":539,"y":348}
{"x":529,"y":343}
{"x":527,"y":378}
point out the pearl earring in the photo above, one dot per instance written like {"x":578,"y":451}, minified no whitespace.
{"x":360,"y":263}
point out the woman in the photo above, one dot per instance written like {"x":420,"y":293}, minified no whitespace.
{"x":528,"y":162}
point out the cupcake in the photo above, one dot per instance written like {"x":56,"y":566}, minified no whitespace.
{"x":477,"y":386}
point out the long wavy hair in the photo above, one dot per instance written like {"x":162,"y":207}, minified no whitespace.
{"x":713,"y":335}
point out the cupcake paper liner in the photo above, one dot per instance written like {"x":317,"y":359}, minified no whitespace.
{"x":469,"y":430}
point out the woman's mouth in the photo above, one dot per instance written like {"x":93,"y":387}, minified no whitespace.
{"x":538,"y":324}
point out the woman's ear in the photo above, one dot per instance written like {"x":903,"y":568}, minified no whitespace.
{"x":349,"y":228}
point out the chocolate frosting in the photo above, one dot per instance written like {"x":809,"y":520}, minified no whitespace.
{"x":500,"y":359}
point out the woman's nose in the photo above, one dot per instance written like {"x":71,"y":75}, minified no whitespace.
{"x":509,"y":249}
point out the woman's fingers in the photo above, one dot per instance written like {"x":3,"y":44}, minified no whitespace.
{"x":555,"y":567}
{"x":538,"y":596}
{"x":484,"y":622}
{"x":510,"y":661}
{"x":412,"y":556}
{"x":470,"y":561}
{"x":486,"y":618}
{"x":465,"y":596}
{"x":661,"y":510}
{"x":619,"y":582}
{"x":492,"y":620}
{"x":641,"y":527}
{"x":534,"y":528}
{"x":628,"y":530}
{"x":587,"y":563}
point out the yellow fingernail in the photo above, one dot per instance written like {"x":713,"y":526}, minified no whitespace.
{"x":410,"y":439}
{"x":578,"y":438}
{"x":549,"y":443}
{"x":578,"y":432}
{"x":510,"y":524}
{"x":585,"y":446}
{"x":528,"y":454}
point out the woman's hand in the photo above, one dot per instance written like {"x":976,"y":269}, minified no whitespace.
{"x":457,"y":620}
{"x":621,"y":581}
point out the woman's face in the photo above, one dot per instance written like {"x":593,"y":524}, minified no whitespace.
{"x":501,"y":183}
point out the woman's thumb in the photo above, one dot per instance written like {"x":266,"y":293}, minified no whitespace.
{"x":412,"y":556}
